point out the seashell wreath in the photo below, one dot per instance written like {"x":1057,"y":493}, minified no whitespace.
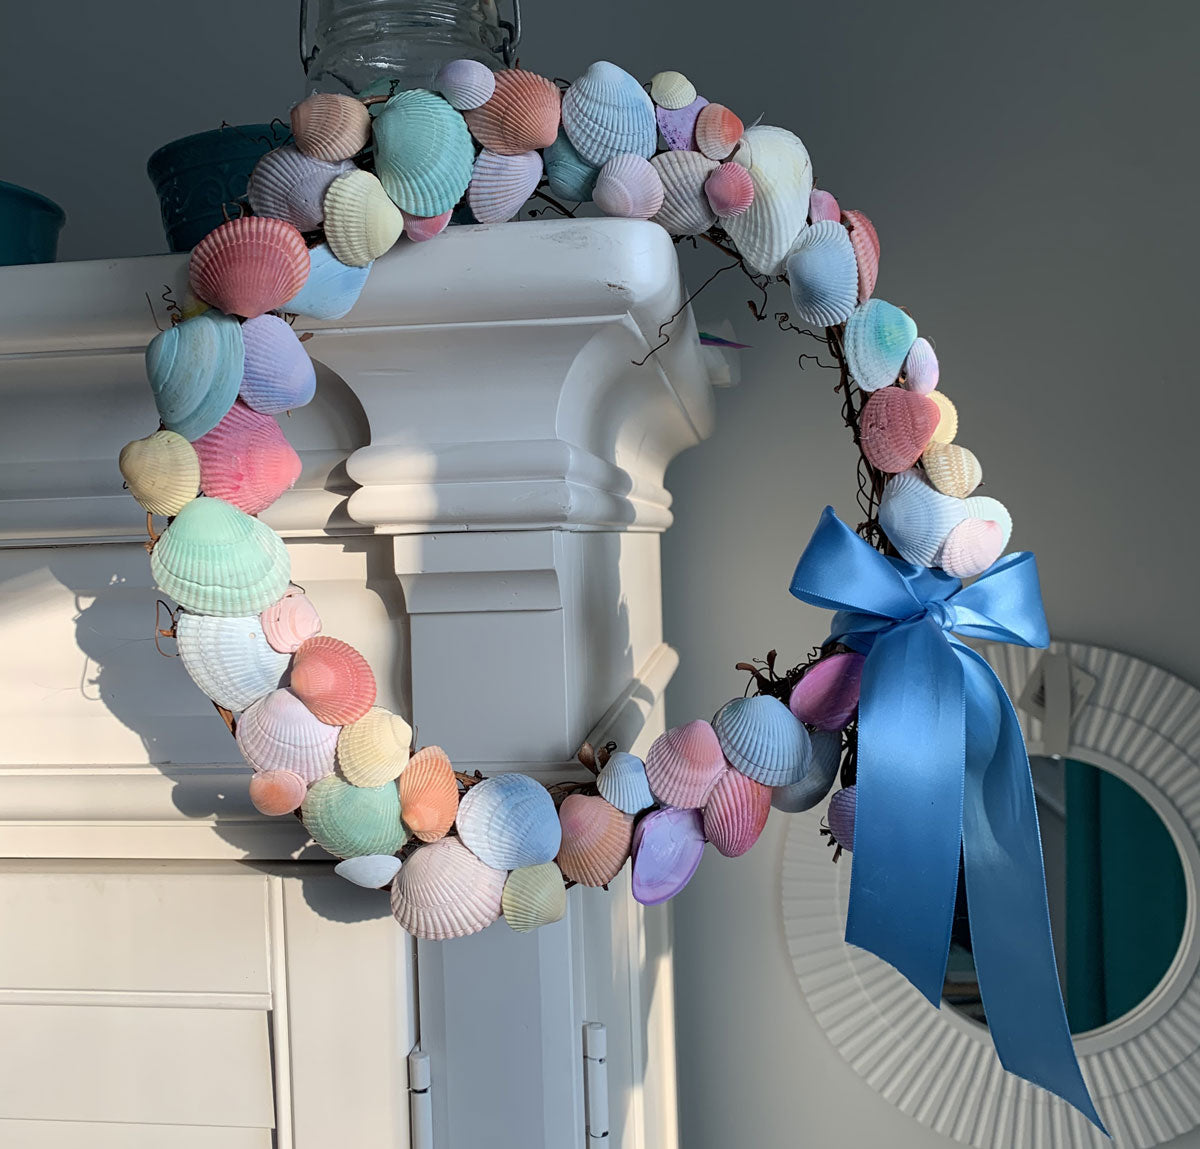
{"x":459,"y":851}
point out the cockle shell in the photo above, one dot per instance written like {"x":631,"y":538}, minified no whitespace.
{"x":371,"y":871}
{"x":290,"y":621}
{"x":276,"y":792}
{"x":921,"y":367}
{"x":678,"y":125}
{"x":286,"y":184}
{"x":465,"y":84}
{"x":329,"y":126}
{"x":277,"y":374}
{"x":667,"y":848}
{"x":215,"y":559}
{"x":521,"y":116}
{"x":672,"y":90}
{"x":429,"y":794}
{"x":444,"y":891}
{"x":822,"y":770}
{"x":866,"y":250}
{"x":985,"y":507}
{"x":423,"y":152}
{"x":729,"y":190}
{"x":195,"y":369}
{"x":827,"y":696}
{"x":353,"y":821}
{"x":595,"y":839}
{"x":895,"y":427}
{"x":841,"y":817}
{"x":421,"y":228}
{"x":622,"y":781}
{"x":685,"y":208}
{"x":971,"y":547}
{"x":718,"y":131}
{"x":822,"y":206}
{"x":534,"y":896}
{"x":229,"y":659}
{"x":374,"y":750}
{"x":569,"y":175}
{"x":947,"y":424}
{"x":161,"y":472}
{"x":822,"y":275}
{"x":736,"y":813}
{"x":683,"y":765}
{"x":763,"y":739}
{"x":917,"y":518}
{"x":878,"y":338}
{"x":246,"y":460}
{"x":279,"y":733}
{"x":332,"y":288}
{"x":249,"y":266}
{"x":509,"y":821}
{"x":952,"y":469}
{"x":629,"y":186}
{"x":606,"y":113}
{"x":361,"y":223}
{"x":500,"y":184}
{"x":333,"y":680}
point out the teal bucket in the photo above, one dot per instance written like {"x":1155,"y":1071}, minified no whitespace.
{"x":29,"y":226}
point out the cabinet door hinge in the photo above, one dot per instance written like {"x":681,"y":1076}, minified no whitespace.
{"x":420,"y":1108}
{"x":595,"y":1083}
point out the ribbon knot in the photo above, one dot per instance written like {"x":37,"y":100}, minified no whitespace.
{"x":942,"y":615}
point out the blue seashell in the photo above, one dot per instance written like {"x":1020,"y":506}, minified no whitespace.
{"x":622,"y":783}
{"x":423,"y":152}
{"x":607,"y":113}
{"x":878,"y":339}
{"x":509,"y":821}
{"x":229,"y":659}
{"x":822,"y":770}
{"x":332,"y":288}
{"x":823,"y":275}
{"x":278,"y":374}
{"x":917,"y":518}
{"x":195,"y":369}
{"x":570,"y":175}
{"x":764,"y":740}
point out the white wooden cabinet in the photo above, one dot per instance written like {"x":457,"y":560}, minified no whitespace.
{"x":479,"y":513}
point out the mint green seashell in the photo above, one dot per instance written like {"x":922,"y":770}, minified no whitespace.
{"x":569,"y":174}
{"x":353,"y":821}
{"x":195,"y":370}
{"x":878,"y":338}
{"x":423,"y":152}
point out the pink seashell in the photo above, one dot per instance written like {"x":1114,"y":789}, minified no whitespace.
{"x":842,"y":807}
{"x":667,"y":849}
{"x":595,"y":839}
{"x":521,"y":116}
{"x":429,"y":794}
{"x":280,"y":733}
{"x":865,"y":241}
{"x":420,"y":228}
{"x":630,"y":187}
{"x":895,"y":427}
{"x":246,"y":460}
{"x":678,"y":125}
{"x":290,"y":621}
{"x":275,"y":792}
{"x":444,"y":891}
{"x":921,"y":371}
{"x":827,"y":696}
{"x":971,"y":547}
{"x":684,"y":764}
{"x":736,"y":813}
{"x":718,"y":131}
{"x":730,"y":190}
{"x":500,"y":184}
{"x":822,"y":205}
{"x":333,"y":680}
{"x":249,"y":266}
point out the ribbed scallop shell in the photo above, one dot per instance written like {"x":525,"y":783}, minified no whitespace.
{"x":534,"y":896}
{"x":509,"y":821}
{"x":361,"y":223}
{"x":952,"y":469}
{"x":500,"y":185}
{"x":683,"y":765}
{"x":971,"y":547}
{"x":866,"y":251}
{"x":374,"y":750}
{"x":827,"y":696}
{"x":672,"y":90}
{"x":921,"y":367}
{"x":729,"y":190}
{"x":288,"y":185}
{"x":246,"y":460}
{"x":333,"y":680}
{"x":329,"y":126}
{"x":822,"y":206}
{"x":878,"y":338}
{"x":895,"y":427}
{"x":195,"y":369}
{"x":822,"y":770}
{"x":985,"y":507}
{"x":822,"y":275}
{"x":917,"y":518}
{"x":569,"y":175}
{"x":444,"y":891}
{"x":763,"y":739}
{"x":161,"y":472}
{"x":678,"y":125}
{"x":429,"y":794}
{"x":278,"y":374}
{"x":595,"y":839}
{"x":465,"y":84}
{"x":332,"y":288}
{"x":229,"y":659}
{"x":718,"y":131}
{"x":947,"y":424}
{"x":249,"y":266}
{"x":279,"y":733}
{"x":606,"y":113}
{"x":685,"y":209}
{"x":423,"y":152}
{"x":420,"y":228}
{"x":371,"y":871}
{"x":842,"y":808}
{"x":521,"y":116}
{"x":290,"y":621}
{"x":622,"y":782}
{"x":353,"y":821}
{"x":629,"y":187}
{"x":736,"y":813}
{"x":667,"y":848}
{"x":277,"y":792}
{"x":215,"y":559}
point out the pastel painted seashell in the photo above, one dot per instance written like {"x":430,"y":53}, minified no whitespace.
{"x":866,"y":250}
{"x":215,"y":559}
{"x":678,"y":125}
{"x":952,"y":469}
{"x":332,"y":289}
{"x":685,"y":208}
{"x":917,"y":518}
{"x":569,"y":175}
{"x":353,"y":821}
{"x":622,"y":782}
{"x":683,"y":765}
{"x":534,"y":896}
{"x":921,"y":367}
{"x":509,"y":821}
{"x":195,"y":369}
{"x":423,"y":152}
{"x":985,"y":507}
{"x":736,"y":813}
{"x":947,"y":424}
{"x":667,"y":848}
{"x":371,"y":871}
{"x":429,"y":794}
{"x":521,"y":116}
{"x":763,"y":739}
{"x":841,"y":816}
{"x":629,"y":187}
{"x":971,"y":547}
{"x":277,"y":373}
{"x":330,"y":126}
{"x":827,"y":696}
{"x":895,"y":427}
{"x":595,"y":839}
{"x":279,"y":733}
{"x":718,"y":131}
{"x":375,"y":749}
{"x":729,"y":190}
{"x":249,"y":266}
{"x":672,"y":90}
{"x":246,"y":460}
{"x":822,"y":206}
{"x":444,"y":891}
{"x":607,"y":113}
{"x":290,"y":621}
{"x":465,"y":84}
{"x":229,"y":659}
{"x":822,"y":275}
{"x":161,"y":472}
{"x":286,"y":184}
{"x":421,"y":228}
{"x":361,"y":222}
{"x":781,"y":171}
{"x":822,"y":770}
{"x":500,"y":184}
{"x":277,"y":792}
{"x":333,"y":680}
{"x":878,"y":338}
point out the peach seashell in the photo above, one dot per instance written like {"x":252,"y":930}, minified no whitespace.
{"x":595,"y":840}
{"x":333,"y":680}
{"x":276,"y":792}
{"x":329,"y":126}
{"x":374,"y":750}
{"x":465,"y":84}
{"x":286,"y":184}
{"x":429,"y":794}
{"x":895,"y":427}
{"x":500,"y":184}
{"x":736,"y":813}
{"x":822,"y":205}
{"x":685,"y":209}
{"x":279,"y":733}
{"x":952,"y":469}
{"x":947,"y":425}
{"x":730,"y":190}
{"x":444,"y":891}
{"x":630,"y":187}
{"x":290,"y":621}
{"x":866,"y":250}
{"x":718,"y":132}
{"x":361,"y":222}
{"x":684,"y":764}
{"x":678,"y":125}
{"x":420,"y":228}
{"x":246,"y":460}
{"x":971,"y":547}
{"x":921,"y":370}
{"x":521,"y":116}
{"x":672,"y":90}
{"x":161,"y":472}
{"x":827,"y":696}
{"x":534,"y":896}
{"x":249,"y":266}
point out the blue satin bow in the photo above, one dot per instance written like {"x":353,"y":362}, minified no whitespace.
{"x":942,"y":767}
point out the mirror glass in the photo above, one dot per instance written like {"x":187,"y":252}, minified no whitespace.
{"x":1116,"y":890}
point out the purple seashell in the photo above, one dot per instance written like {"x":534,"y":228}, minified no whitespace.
{"x":827,"y":696}
{"x":667,"y":846}
{"x":678,"y":125}
{"x":841,"y":817}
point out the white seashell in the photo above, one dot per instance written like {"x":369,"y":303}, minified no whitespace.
{"x":374,"y":750}
{"x":288,"y":185}
{"x":672,"y":90}
{"x":280,"y":733}
{"x":465,"y":84}
{"x":606,"y":113}
{"x":921,"y":367}
{"x":985,"y":507}
{"x":534,"y":896}
{"x":500,"y":185}
{"x":622,"y":783}
{"x":371,"y":871}
{"x":229,"y":659}
{"x":444,"y":891}
{"x":361,"y":222}
{"x":685,"y":208}
{"x":823,"y":275}
{"x":628,"y":186}
{"x":916,"y":518}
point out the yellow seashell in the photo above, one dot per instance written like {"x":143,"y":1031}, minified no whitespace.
{"x":672,"y":90}
{"x":374,"y":750}
{"x":361,"y":222}
{"x":952,"y":469}
{"x":947,"y":426}
{"x":534,"y":896}
{"x":162,"y":472}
